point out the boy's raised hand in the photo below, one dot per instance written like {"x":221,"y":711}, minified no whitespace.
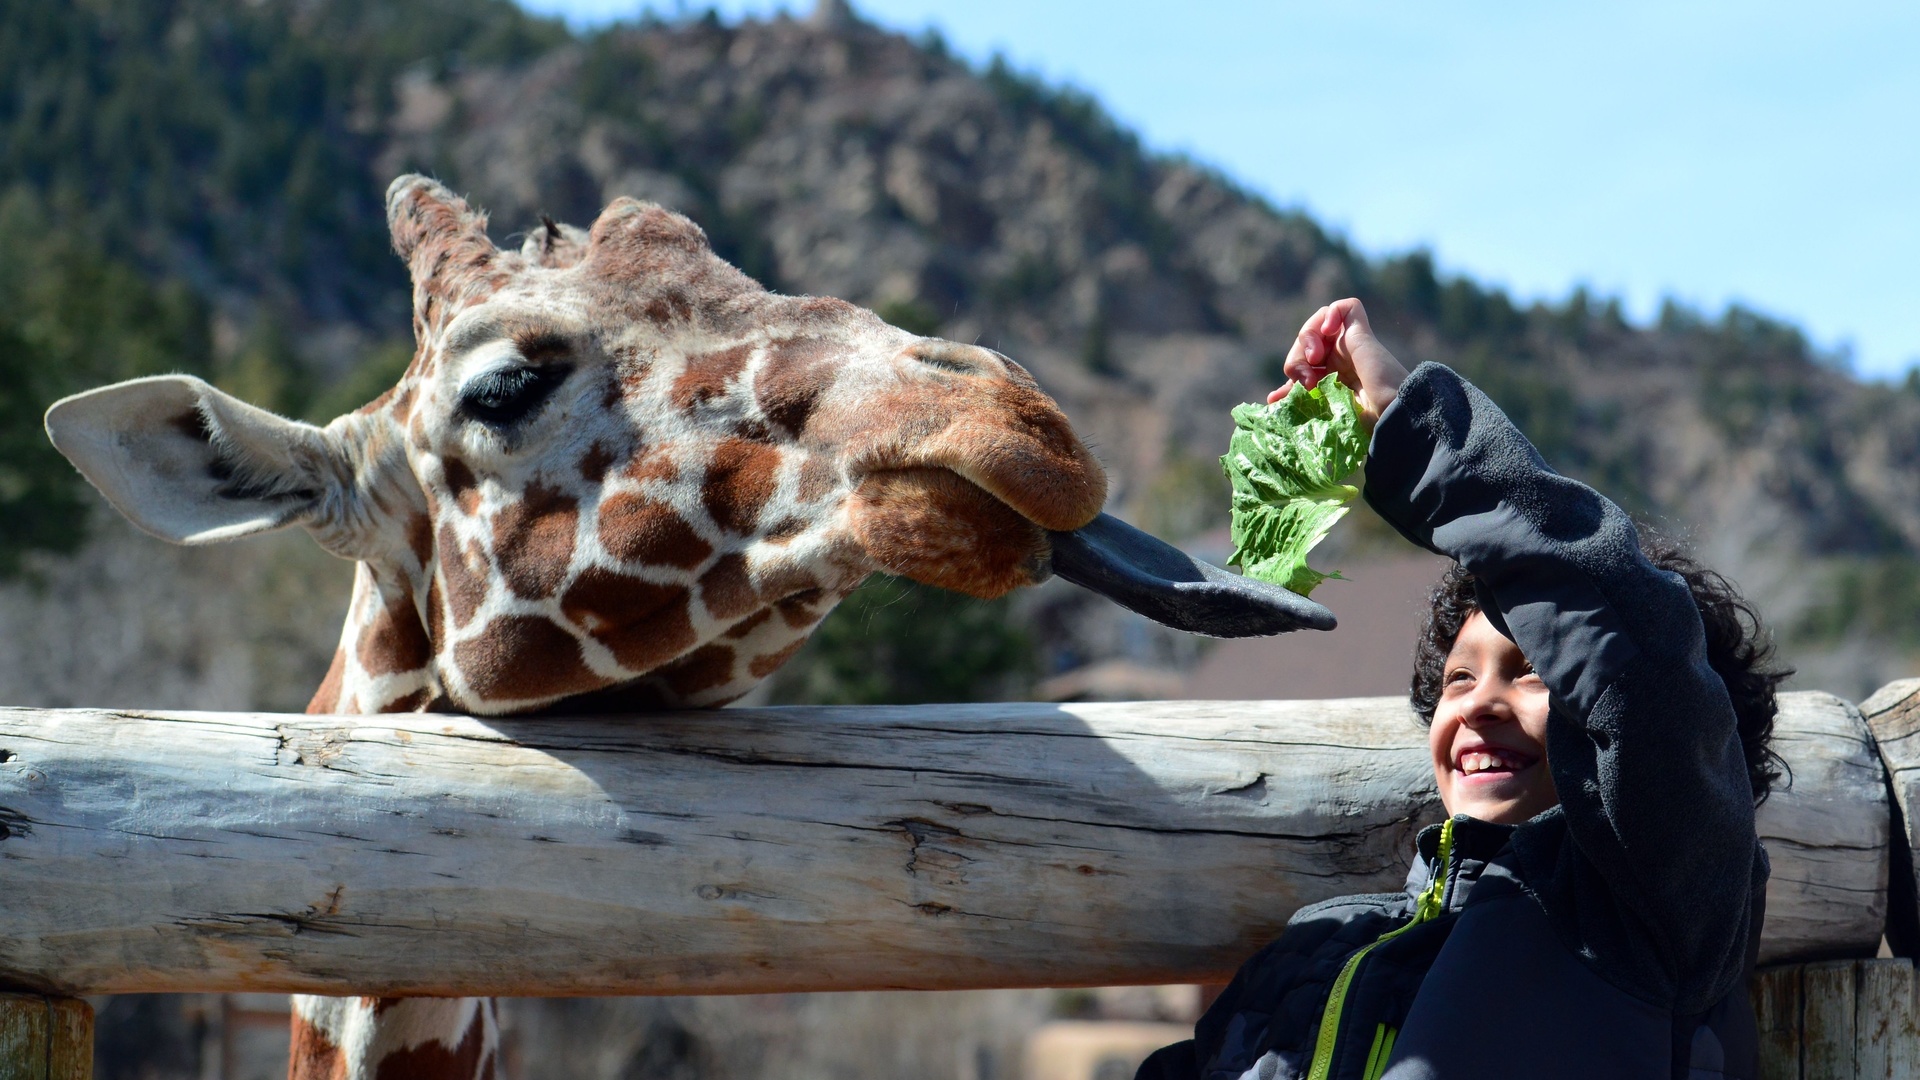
{"x":1338,"y":338}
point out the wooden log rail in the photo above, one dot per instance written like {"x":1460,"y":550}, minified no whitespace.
{"x":937,"y":847}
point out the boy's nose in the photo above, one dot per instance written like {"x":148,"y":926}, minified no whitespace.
{"x":1486,"y":708}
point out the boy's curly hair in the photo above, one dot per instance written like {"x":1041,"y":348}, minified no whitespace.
{"x":1739,"y":649}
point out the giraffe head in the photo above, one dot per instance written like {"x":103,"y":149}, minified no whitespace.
{"x":616,"y":467}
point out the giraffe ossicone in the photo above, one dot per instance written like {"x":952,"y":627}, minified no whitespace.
{"x":620,"y":474}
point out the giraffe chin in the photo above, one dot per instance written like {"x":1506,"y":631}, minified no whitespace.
{"x":938,"y":528}
{"x":1145,"y":574}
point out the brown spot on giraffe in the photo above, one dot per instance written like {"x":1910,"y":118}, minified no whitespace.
{"x":312,"y":1055}
{"x":799,"y":611}
{"x":797,"y":372}
{"x":420,"y":538}
{"x":762,"y":666}
{"x":748,"y":625}
{"x":668,"y":309}
{"x":521,"y":658}
{"x":394,"y":641}
{"x":740,"y":480}
{"x":401,"y":405}
{"x":533,"y":540}
{"x":707,"y":375}
{"x":726,"y":589}
{"x":785,"y":529}
{"x":597,"y":462}
{"x":462,"y":485}
{"x":410,"y":702}
{"x":643,"y":623}
{"x":434,"y":1059}
{"x":753,"y":430}
{"x":818,"y":477}
{"x":653,"y":463}
{"x":635,"y":529}
{"x":464,"y":569}
{"x":705,"y":668}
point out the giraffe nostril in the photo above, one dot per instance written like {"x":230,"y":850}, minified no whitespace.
{"x":955,"y":357}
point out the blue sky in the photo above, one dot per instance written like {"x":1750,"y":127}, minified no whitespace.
{"x":1757,"y":152}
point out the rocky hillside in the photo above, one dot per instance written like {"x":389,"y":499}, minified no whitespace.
{"x":219,"y":164}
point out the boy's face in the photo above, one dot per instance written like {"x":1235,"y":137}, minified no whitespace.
{"x":1489,"y":733}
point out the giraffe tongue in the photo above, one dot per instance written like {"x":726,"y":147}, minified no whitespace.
{"x":1145,"y":574}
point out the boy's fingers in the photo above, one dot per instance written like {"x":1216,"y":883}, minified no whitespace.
{"x":1319,"y":346}
{"x":1300,"y":369}
{"x":1280,"y":393}
{"x":1333,"y":322}
{"x":1356,"y":315}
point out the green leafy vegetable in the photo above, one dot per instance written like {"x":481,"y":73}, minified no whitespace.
{"x":1286,"y":462}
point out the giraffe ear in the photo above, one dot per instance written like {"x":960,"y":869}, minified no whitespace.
{"x":191,"y":464}
{"x":442,"y":240}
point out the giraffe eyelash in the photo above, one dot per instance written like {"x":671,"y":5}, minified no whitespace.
{"x":508,"y":395}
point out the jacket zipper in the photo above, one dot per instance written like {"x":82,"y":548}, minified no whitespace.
{"x":1427,"y":906}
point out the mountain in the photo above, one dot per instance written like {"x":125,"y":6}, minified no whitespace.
{"x":196,"y":185}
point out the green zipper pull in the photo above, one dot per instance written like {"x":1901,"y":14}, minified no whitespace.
{"x":1426,"y":906}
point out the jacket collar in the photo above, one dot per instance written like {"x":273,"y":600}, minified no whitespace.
{"x":1475,"y":844}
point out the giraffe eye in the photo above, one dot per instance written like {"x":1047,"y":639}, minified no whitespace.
{"x":506,"y":396}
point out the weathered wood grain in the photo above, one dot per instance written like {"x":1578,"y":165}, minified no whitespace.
{"x":44,"y":1038}
{"x":1827,"y":1009}
{"x":1893,"y":715}
{"x":1827,"y":834}
{"x":1776,"y":1011}
{"x":1886,"y":1025}
{"x":708,"y":852}
{"x":1838,"y":1020}
{"x":757,"y":850}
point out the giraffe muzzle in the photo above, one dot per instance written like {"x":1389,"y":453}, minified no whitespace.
{"x":1147,"y":575}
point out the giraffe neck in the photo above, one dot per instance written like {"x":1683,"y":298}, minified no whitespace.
{"x":376,"y":1038}
{"x":384,"y":664}
{"x":385,"y":660}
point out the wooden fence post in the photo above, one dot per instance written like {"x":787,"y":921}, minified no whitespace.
{"x":1776,"y":1009}
{"x":1837,"y":1020}
{"x":45,"y":1038}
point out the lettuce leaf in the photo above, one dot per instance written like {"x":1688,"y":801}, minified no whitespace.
{"x":1286,"y":461}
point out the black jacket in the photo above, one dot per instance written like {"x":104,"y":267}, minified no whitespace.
{"x":1608,"y":937}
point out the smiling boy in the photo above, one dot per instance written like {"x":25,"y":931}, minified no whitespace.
{"x":1599,"y":709}
{"x":1489,"y":735}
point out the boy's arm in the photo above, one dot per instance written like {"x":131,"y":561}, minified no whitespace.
{"x":1654,"y":887}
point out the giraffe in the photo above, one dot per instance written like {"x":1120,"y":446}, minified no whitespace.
{"x":618,"y":475}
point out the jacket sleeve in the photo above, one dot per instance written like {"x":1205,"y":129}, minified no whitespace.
{"x":1648,"y":865}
